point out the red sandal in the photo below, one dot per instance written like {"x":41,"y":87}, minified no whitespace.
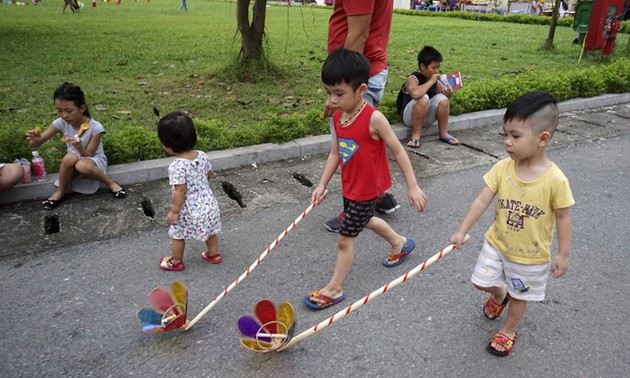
{"x":214,"y":259}
{"x":505,"y":342}
{"x":169,"y":263}
{"x":492,"y":309}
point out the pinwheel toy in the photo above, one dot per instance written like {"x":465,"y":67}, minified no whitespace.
{"x":270,"y":329}
{"x":168,"y":310}
{"x":267,"y":333}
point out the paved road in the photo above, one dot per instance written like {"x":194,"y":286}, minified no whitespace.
{"x":69,"y":306}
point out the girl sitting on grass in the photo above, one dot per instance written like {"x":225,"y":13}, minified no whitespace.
{"x":84,"y":166}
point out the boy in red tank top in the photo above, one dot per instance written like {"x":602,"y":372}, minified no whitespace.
{"x":360,"y":137}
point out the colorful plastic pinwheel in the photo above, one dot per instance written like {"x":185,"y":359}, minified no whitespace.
{"x":169,"y":309}
{"x":270,"y":329}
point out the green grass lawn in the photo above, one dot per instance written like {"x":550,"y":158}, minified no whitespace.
{"x":136,"y":55}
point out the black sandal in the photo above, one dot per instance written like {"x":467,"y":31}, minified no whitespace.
{"x":52,"y":204}
{"x":121,"y":193}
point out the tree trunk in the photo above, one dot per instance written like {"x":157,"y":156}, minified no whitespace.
{"x":251,"y":34}
{"x":552,"y":27}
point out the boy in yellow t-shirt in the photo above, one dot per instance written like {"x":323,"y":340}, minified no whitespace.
{"x":533,"y":195}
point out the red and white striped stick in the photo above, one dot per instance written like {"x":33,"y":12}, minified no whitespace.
{"x":369,"y":297}
{"x":251,"y":267}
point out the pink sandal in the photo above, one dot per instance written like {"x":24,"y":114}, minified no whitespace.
{"x":214,"y":259}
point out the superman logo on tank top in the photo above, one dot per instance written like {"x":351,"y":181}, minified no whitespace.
{"x":347,"y":148}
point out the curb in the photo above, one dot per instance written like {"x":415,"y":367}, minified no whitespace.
{"x":151,"y":170}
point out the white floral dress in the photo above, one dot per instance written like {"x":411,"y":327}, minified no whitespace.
{"x":199,"y":217}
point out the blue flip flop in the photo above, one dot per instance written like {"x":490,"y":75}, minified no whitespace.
{"x":406,"y":250}
{"x":328,"y":301}
{"x":450,"y":140}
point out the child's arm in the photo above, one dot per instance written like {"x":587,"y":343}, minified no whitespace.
{"x":379,"y":127}
{"x":475,"y":211}
{"x":417,"y":91}
{"x":329,"y":170}
{"x":179,"y":195}
{"x":90,"y":150}
{"x":36,"y":139}
{"x":560,"y":264}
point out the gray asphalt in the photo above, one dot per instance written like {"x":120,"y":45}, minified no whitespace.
{"x":70,"y":298}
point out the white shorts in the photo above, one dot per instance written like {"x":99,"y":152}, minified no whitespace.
{"x":430,"y":118}
{"x":524,"y":282}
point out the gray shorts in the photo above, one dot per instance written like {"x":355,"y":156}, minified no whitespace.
{"x":433,"y":105}
{"x":524,"y":282}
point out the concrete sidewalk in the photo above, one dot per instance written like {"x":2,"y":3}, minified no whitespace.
{"x":270,"y":183}
{"x":150,"y":170}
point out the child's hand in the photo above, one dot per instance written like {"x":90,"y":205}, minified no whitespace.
{"x":458,"y":239}
{"x":417,"y":198}
{"x":447,"y":91}
{"x":559,"y":266}
{"x":329,"y":110}
{"x":34,"y":135}
{"x":319,"y":194}
{"x":172,"y":217}
{"x":76,"y":143}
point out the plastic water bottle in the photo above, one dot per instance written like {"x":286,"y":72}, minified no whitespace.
{"x":40,"y":169}
{"x":26,"y":165}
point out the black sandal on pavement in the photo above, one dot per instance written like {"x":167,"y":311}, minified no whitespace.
{"x":121,"y":193}
{"x":52,"y":204}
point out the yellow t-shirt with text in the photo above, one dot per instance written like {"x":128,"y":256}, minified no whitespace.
{"x":524,"y":219}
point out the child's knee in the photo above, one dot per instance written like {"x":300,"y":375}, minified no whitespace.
{"x":69,"y":160}
{"x":84,"y":165}
{"x":444,"y":104}
{"x":345,"y":243}
{"x":422,"y":103}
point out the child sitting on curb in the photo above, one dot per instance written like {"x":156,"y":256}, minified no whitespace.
{"x":423,"y":99}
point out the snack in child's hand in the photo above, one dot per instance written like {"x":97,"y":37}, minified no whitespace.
{"x":82,"y":130}
{"x":37,"y":130}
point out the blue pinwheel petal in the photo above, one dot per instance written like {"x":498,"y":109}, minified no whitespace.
{"x":149,"y":316}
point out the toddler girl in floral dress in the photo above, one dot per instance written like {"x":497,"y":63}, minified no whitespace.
{"x":194,"y":213}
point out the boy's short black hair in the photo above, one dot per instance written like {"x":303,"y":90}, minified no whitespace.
{"x":427,"y":55}
{"x":177,"y":132}
{"x":73,"y":93}
{"x":538,"y":107}
{"x":346,"y":66}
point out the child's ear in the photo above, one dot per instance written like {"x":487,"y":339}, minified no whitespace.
{"x":543,"y":138}
{"x":362,"y":89}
